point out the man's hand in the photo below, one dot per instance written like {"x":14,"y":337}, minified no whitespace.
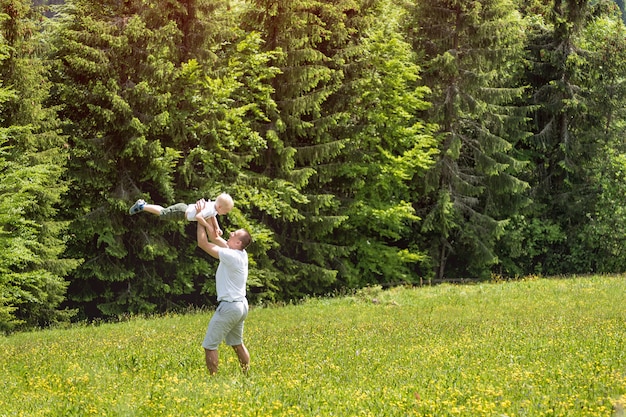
{"x":200,"y":204}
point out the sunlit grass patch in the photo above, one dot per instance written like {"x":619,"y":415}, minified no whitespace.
{"x":539,"y":347}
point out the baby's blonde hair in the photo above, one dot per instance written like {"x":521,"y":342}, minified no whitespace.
{"x":226,"y":201}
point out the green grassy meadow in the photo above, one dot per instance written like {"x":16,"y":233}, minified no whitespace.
{"x":535,"y":347}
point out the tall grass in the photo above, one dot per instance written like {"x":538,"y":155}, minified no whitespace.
{"x":542,"y":347}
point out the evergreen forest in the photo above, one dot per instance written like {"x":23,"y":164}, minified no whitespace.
{"x":364,"y":142}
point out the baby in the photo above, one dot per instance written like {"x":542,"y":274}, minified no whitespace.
{"x":223,"y":204}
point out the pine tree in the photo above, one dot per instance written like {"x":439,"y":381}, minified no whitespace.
{"x":554,"y":148}
{"x":577,"y":91}
{"x":309,"y":34}
{"x":471,"y":54}
{"x":108,"y":63}
{"x":32,"y":268}
{"x":316,"y":192}
{"x":155,"y":111}
{"x":231,"y":95}
{"x":389,"y":149}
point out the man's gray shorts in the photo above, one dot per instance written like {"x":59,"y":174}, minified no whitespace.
{"x":226,"y":324}
{"x":175,"y":212}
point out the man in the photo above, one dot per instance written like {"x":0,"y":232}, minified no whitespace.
{"x":230,"y":282}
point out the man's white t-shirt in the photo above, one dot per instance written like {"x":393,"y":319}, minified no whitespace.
{"x":207,"y":211}
{"x":231,"y":275}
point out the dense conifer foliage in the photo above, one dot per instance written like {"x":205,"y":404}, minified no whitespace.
{"x":363,"y":141}
{"x":34,"y":155}
{"x":472,"y":59}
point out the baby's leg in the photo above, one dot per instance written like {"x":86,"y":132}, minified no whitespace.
{"x":153,"y":209}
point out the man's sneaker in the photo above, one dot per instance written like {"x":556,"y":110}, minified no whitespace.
{"x":137,"y":207}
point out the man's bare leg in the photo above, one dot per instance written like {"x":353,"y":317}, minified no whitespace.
{"x":212,"y":360}
{"x":244,"y":357}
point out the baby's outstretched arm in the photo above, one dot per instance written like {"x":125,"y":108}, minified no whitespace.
{"x":216,"y":226}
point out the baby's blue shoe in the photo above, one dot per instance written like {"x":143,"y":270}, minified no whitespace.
{"x":137,"y":207}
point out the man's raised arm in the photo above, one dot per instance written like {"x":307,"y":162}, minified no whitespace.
{"x":204,"y":244}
